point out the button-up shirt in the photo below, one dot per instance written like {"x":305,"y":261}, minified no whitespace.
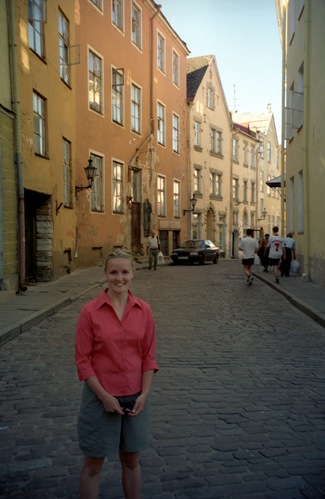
{"x":116,"y":351}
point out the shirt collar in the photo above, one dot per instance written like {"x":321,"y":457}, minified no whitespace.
{"x":103,"y":298}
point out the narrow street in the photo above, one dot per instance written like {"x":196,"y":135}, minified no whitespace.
{"x":237,"y":406}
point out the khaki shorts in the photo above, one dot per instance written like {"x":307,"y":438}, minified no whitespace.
{"x":102,"y":433}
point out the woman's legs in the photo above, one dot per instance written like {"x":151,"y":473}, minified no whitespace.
{"x":131,"y":474}
{"x":89,"y":478}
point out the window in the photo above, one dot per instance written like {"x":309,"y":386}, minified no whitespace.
{"x":253,"y":158}
{"x":64,"y":48}
{"x":210,"y":97}
{"x":36,"y":18}
{"x":161,"y":196}
{"x":98,"y":3}
{"x":215,"y":141}
{"x":245,"y":153}
{"x":95,"y":91}
{"x":197,"y":134}
{"x":245,"y":191}
{"x":197,"y":178}
{"x":269,"y":157}
{"x":262,"y":149}
{"x":39,"y":124}
{"x":235,"y":149}
{"x":97,"y":195}
{"x":136,"y":25}
{"x":66,"y":162}
{"x":215,"y":184}
{"x":117,"y":13}
{"x":261,"y":181}
{"x":177,"y":199}
{"x":253,"y":191}
{"x":300,"y":199}
{"x":117,"y":96}
{"x":117,"y":187}
{"x":161,"y":124}
{"x":175,"y":68}
{"x":235,"y":189}
{"x":268,"y":188}
{"x":175,"y":133}
{"x":135,"y":109}
{"x":161,"y":52}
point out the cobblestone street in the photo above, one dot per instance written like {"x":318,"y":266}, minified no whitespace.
{"x":237,"y":406}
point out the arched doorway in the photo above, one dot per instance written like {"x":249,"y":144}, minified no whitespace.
{"x":210,"y":225}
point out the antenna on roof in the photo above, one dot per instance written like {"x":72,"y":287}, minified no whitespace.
{"x":234,"y":110}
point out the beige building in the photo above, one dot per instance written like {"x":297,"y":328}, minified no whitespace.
{"x":244,"y":174}
{"x":210,"y":152}
{"x":131,"y":121}
{"x":268,"y":207}
{"x":302,"y":34}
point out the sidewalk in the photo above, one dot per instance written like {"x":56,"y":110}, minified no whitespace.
{"x":308,"y":297}
{"x":20,"y":312}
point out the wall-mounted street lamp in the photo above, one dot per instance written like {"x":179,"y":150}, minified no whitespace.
{"x":264,"y":213}
{"x":90,"y":174}
{"x":129,"y":201}
{"x":193,"y":201}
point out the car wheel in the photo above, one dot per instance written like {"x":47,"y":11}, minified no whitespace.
{"x":215,"y":260}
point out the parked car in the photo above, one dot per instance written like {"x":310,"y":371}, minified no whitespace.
{"x":196,"y":251}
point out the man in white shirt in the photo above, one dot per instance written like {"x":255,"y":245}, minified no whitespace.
{"x":290,"y":252}
{"x":153,"y":248}
{"x":276,"y":252}
{"x":248,"y":245}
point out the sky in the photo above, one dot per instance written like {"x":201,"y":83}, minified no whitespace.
{"x":244,"y":37}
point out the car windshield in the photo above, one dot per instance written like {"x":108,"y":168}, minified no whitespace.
{"x":193,"y":244}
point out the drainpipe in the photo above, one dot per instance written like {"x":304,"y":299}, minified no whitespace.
{"x":17,"y":132}
{"x":151,"y":65}
{"x":305,"y":179}
{"x":283,"y":169}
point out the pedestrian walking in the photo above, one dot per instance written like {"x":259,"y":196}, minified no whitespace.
{"x":290,"y":253}
{"x":153,"y":248}
{"x":115,"y":357}
{"x":263,"y":252}
{"x":248,"y":245}
{"x":276,"y":251}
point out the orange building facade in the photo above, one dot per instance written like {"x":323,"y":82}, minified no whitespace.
{"x":131,"y":121}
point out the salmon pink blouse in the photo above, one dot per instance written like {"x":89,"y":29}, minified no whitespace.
{"x":116,"y":351}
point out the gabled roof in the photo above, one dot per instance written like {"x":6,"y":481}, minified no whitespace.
{"x":260,"y":122}
{"x":196,"y":68}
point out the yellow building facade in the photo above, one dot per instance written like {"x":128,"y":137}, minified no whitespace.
{"x":303,"y":38}
{"x":46,"y":111}
{"x":8,"y":173}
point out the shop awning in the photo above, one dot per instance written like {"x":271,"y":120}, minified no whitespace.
{"x":275,"y":182}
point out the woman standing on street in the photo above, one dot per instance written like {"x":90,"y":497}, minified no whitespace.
{"x":115,"y":357}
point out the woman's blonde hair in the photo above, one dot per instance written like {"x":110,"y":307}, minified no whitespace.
{"x":119,"y":253}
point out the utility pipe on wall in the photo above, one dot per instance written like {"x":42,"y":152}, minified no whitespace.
{"x":305,"y":169}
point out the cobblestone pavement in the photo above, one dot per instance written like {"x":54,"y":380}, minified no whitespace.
{"x":237,"y":406}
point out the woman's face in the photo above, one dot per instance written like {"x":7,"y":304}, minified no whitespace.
{"x":119,"y":274}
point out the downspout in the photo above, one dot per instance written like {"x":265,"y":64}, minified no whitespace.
{"x":305,"y":179}
{"x":18,"y":156}
{"x":283,"y":172}
{"x":151,"y":66}
{"x":231,"y":201}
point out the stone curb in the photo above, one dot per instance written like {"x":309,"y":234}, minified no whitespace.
{"x":296,"y":302}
